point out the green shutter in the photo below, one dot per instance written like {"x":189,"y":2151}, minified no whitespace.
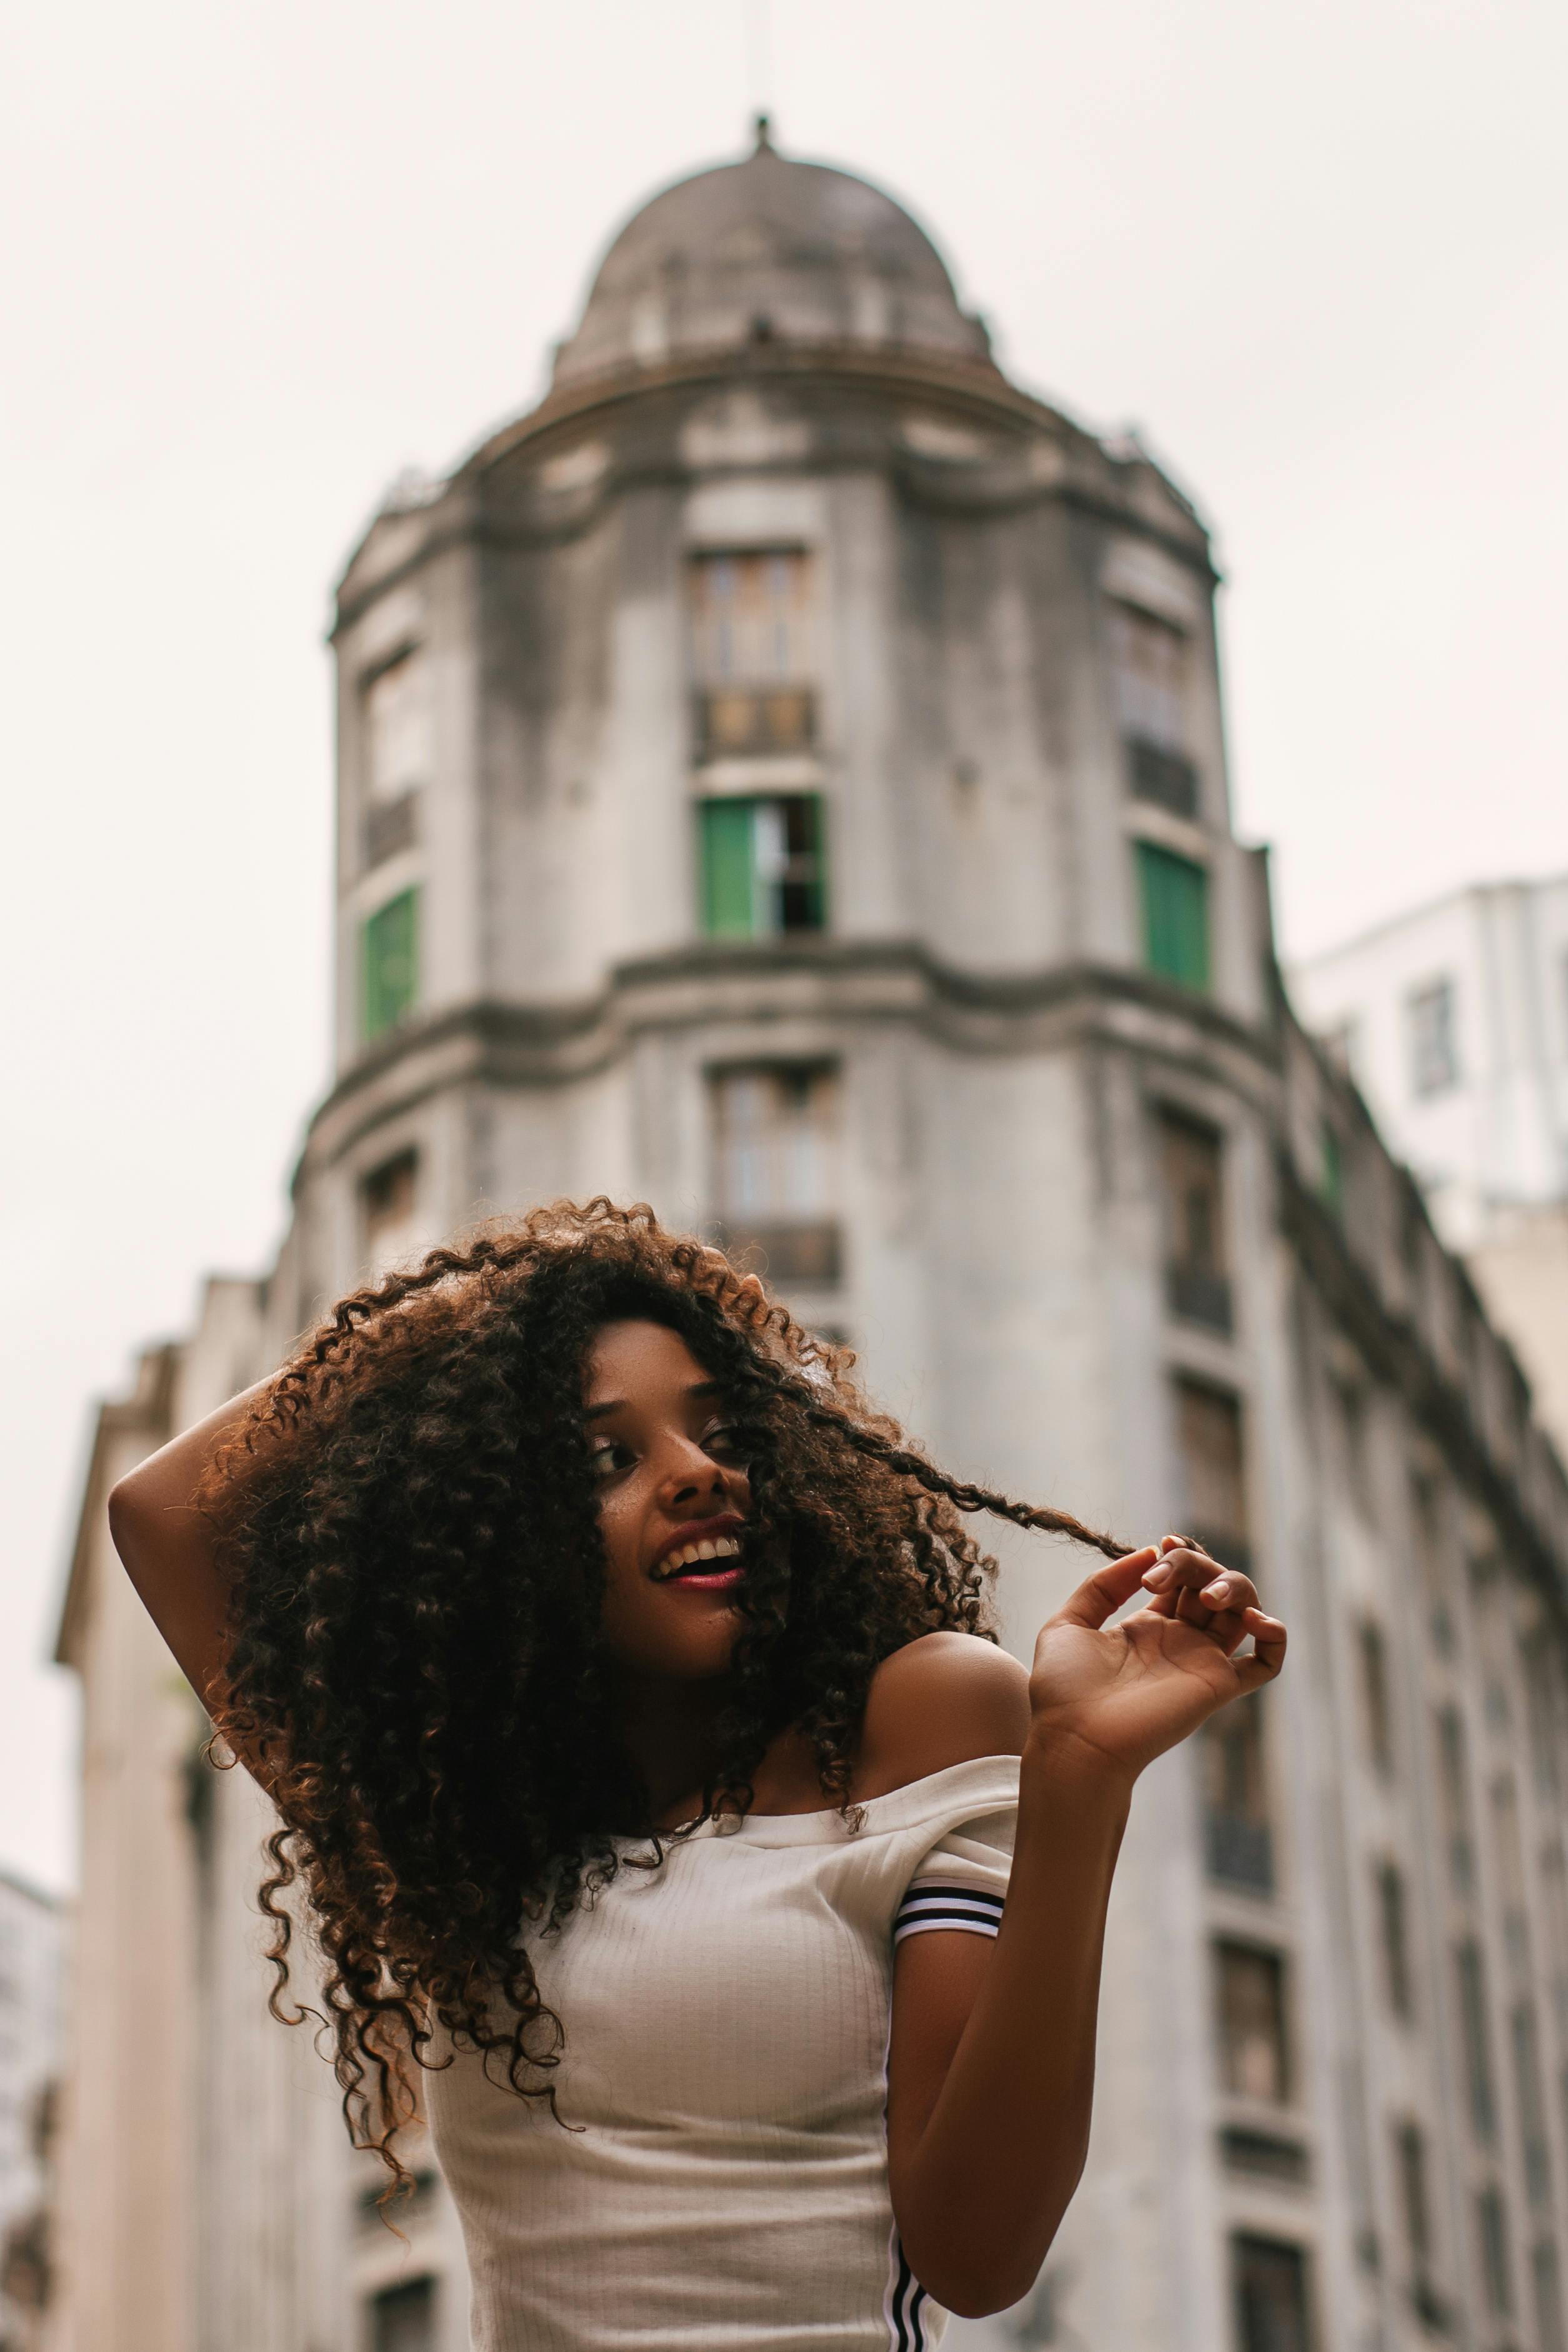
{"x":1174,"y":895}
{"x":729,"y":892}
{"x":390,"y":963}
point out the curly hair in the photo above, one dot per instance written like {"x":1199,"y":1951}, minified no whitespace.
{"x":408,"y":1527}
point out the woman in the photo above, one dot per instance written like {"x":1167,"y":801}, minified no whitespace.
{"x":649,"y":1774}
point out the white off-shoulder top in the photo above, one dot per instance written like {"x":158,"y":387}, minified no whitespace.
{"x":723,"y":2181}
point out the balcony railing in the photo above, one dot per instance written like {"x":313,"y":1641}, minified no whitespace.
{"x":1156,"y":773}
{"x":1239,"y":1850}
{"x":807,"y":1254}
{"x":751,"y":723}
{"x":1198,"y":1296}
{"x":388,"y":826}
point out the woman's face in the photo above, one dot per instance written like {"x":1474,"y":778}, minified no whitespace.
{"x":673,"y":1498}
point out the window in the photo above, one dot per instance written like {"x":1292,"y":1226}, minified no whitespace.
{"x":1273,"y":2311}
{"x":1377,"y":1719}
{"x":1415,"y":2196}
{"x":1539,"y":1672}
{"x":1434,"y":1046}
{"x":1491,"y":2228}
{"x":388,"y":1198}
{"x":1429,"y":1521}
{"x":762,"y":866}
{"x":775,"y":1132}
{"x":1254,"y":2053}
{"x":754,"y":657}
{"x":1342,"y":1044}
{"x":1238,"y":1844}
{"x":1150,"y":662}
{"x":1469,"y":1976}
{"x":1531,"y":2106}
{"x":390,"y":965}
{"x":1198,"y":1285}
{"x":1214,"y":1496}
{"x":1547,"y":2280}
{"x":1331,"y":1169}
{"x":1395,"y":1934}
{"x":403,"y":2318}
{"x":1355,"y":1464}
{"x":1174,"y":895}
{"x":1508,"y":1852}
{"x":1453,"y":1778}
{"x":395,"y":703}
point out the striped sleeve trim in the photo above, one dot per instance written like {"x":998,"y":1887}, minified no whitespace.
{"x":931,"y":1904}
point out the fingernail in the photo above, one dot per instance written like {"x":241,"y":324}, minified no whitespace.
{"x":1218,"y":1592}
{"x":1156,"y":1579}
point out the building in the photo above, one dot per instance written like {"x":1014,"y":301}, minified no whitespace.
{"x":1453,"y":1020}
{"x":781,"y":777}
{"x":31,"y":1952}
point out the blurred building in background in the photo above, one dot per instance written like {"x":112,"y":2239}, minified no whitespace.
{"x":1453,"y":1022}
{"x":32,"y":1935}
{"x":781,"y":777}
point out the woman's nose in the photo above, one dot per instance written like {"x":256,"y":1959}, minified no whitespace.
{"x":690,"y":1471}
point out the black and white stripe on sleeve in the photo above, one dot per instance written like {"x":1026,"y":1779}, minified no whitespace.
{"x":931,"y":1904}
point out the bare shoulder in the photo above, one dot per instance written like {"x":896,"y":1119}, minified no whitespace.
{"x":938,"y":1701}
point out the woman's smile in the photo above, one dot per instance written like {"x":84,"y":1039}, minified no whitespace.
{"x":707,"y":1552}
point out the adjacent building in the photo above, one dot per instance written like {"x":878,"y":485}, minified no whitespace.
{"x":1453,"y":1020}
{"x":782,"y":777}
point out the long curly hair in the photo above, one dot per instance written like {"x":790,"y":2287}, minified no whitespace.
{"x":408,"y":1527}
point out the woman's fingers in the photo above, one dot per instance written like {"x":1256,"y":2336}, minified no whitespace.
{"x":1101,"y":1595}
{"x":1188,"y":1570}
{"x":1268,"y":1653}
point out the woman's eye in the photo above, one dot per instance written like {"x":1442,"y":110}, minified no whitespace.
{"x":609,"y":1460}
{"x":721,"y":1439}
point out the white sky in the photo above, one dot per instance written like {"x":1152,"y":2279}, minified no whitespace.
{"x":256,"y":257}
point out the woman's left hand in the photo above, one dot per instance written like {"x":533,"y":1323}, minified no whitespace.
{"x":1115,"y":1697}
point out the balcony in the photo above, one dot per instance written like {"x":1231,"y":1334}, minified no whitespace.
{"x":1156,"y":773}
{"x":388,"y":826}
{"x":755,"y":723}
{"x":1239,"y":1850}
{"x":805,"y":1256}
{"x":1195,"y":1294}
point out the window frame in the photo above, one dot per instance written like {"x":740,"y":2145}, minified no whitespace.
{"x":731,"y":856}
{"x":1175,"y":931}
{"x":386,"y":1005}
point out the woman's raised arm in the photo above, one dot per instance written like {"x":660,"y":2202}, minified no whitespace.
{"x":991,"y":2063}
{"x":168,"y":1546}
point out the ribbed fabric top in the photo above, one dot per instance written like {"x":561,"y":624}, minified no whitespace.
{"x":725,"y":2183}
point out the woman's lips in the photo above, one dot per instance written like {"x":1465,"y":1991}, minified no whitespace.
{"x":716,"y":1579}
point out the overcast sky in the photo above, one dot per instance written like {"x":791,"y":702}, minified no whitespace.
{"x":257,"y":257}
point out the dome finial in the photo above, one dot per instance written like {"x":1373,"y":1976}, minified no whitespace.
{"x":762,"y":124}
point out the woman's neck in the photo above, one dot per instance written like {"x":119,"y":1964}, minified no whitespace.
{"x":670,"y":1733}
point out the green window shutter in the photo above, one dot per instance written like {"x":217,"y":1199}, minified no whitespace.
{"x":730,"y":908}
{"x":389,"y":966}
{"x":1174,"y":895}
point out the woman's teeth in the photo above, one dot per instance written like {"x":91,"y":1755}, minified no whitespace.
{"x":694,"y":1555}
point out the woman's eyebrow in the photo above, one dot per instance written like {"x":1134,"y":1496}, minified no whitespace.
{"x":617,"y":1405}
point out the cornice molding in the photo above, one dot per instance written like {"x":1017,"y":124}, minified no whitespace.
{"x":831,"y":981}
{"x":966,"y":388}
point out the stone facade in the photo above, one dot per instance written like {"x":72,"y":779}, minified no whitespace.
{"x":32,"y":1937}
{"x":782,"y":778}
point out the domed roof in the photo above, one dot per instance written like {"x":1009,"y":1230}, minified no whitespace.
{"x":768,"y":249}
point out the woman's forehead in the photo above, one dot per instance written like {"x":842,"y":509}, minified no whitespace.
{"x":635,"y":1355}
